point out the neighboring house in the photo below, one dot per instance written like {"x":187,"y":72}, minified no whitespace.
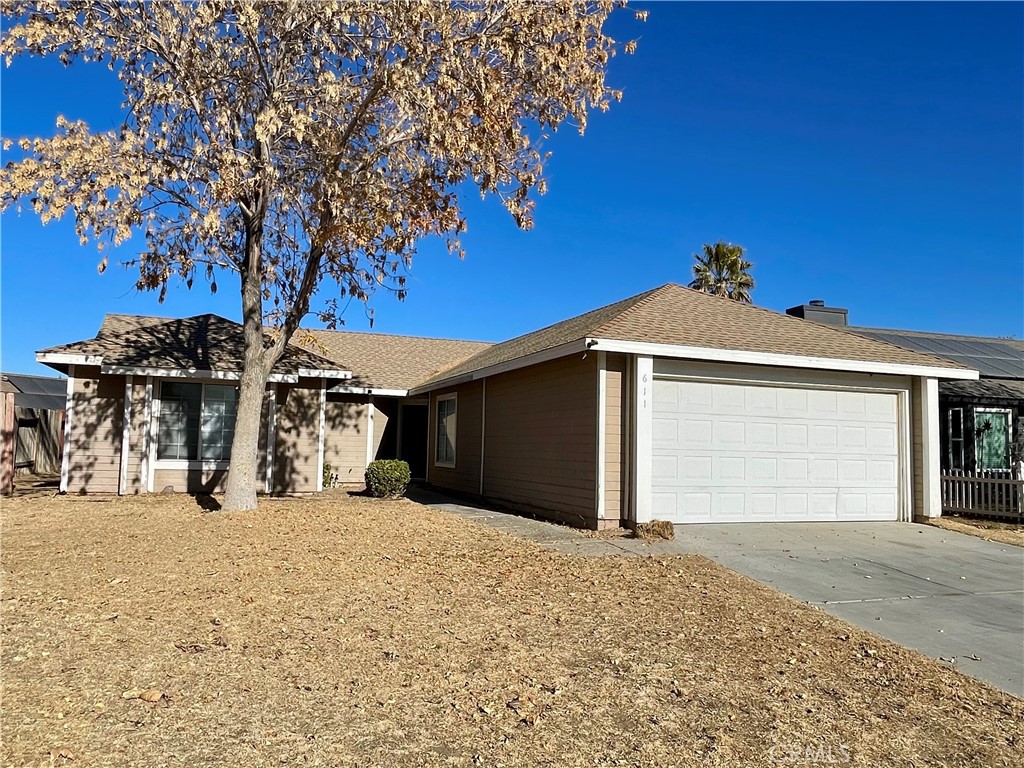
{"x":672,"y":405}
{"x":38,"y":417}
{"x":982,"y":422}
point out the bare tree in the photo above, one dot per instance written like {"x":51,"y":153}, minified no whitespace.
{"x":293,"y":143}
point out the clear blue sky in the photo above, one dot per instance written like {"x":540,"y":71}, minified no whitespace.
{"x":871,"y":155}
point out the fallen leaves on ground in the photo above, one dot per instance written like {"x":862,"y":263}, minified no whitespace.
{"x":991,"y":530}
{"x":344,"y":631}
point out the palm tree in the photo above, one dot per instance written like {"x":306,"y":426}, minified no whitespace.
{"x":721,"y":270}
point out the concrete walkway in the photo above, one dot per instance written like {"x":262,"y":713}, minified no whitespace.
{"x":954,"y":597}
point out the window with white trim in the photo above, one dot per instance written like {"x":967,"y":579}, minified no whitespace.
{"x":197,"y":421}
{"x":444,"y":452}
{"x":992,"y":438}
{"x":955,"y":433}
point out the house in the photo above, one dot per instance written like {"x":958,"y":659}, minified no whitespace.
{"x":981,"y":422}
{"x":671,"y":404}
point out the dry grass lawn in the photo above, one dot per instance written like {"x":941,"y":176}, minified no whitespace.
{"x":350,"y":632}
{"x":990,"y":530}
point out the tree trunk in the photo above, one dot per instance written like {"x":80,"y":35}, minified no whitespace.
{"x":242,"y":483}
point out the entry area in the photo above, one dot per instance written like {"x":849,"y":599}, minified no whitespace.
{"x":738,"y":452}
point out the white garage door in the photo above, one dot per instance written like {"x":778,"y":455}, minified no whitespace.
{"x":739,"y":453}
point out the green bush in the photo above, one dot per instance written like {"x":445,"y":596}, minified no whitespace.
{"x":387,"y":478}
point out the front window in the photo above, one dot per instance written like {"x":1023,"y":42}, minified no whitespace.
{"x":992,"y":438}
{"x":196,"y":421}
{"x":444,"y":455}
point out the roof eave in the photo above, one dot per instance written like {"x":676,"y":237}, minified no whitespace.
{"x":780,"y":360}
{"x":541,"y":356}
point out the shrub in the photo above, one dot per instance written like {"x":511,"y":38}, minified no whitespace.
{"x":387,"y":478}
{"x":656,"y":529}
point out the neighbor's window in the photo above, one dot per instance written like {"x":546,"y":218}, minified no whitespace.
{"x":955,"y":432}
{"x":445,"y":451}
{"x":196,"y":421}
{"x":992,"y":438}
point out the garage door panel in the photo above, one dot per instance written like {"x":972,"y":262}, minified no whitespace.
{"x":734,"y":452}
{"x":665,"y":432}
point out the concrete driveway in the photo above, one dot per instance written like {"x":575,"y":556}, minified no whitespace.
{"x":953,"y":597}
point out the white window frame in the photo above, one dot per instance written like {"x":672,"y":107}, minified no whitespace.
{"x":437,"y":429}
{"x":198,"y":463}
{"x":955,"y":453}
{"x":1009,"y":439}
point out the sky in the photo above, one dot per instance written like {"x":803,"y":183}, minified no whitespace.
{"x":870,"y":155}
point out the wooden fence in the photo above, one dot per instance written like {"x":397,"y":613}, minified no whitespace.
{"x":989,"y":493}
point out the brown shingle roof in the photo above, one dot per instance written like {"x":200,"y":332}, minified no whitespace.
{"x":203,"y":343}
{"x":681,"y":316}
{"x":385,"y":361}
{"x":670,"y":314}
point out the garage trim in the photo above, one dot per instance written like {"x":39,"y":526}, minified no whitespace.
{"x":777,"y":359}
{"x":654,"y":369}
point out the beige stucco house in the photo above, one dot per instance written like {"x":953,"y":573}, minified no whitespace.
{"x":670,"y":405}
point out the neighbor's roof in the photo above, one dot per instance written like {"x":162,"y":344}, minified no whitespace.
{"x":984,"y":389}
{"x":384,"y":361}
{"x":990,"y":356}
{"x":202,"y":343}
{"x":674,"y":315}
{"x":44,"y":392}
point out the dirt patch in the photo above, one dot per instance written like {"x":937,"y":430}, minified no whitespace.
{"x":345,"y":631}
{"x":990,"y":530}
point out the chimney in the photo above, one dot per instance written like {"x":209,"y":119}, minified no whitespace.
{"x":816,"y":311}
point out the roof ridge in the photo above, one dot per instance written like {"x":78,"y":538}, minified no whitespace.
{"x":587,"y":331}
{"x":396,"y":335}
{"x":642,"y":299}
{"x":844,"y":330}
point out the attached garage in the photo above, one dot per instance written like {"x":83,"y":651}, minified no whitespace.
{"x":742,"y":452}
{"x":693,"y":408}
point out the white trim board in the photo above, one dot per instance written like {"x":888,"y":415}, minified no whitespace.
{"x":63,"y":358}
{"x":271,"y":436}
{"x":371,"y":413}
{"x":65,"y":458}
{"x":781,"y":360}
{"x":320,"y":436}
{"x":345,"y":389}
{"x":149,"y":437}
{"x":183,"y":373}
{"x":643,"y":437}
{"x":325,"y":373}
{"x":602,"y":415}
{"x":126,"y":437}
